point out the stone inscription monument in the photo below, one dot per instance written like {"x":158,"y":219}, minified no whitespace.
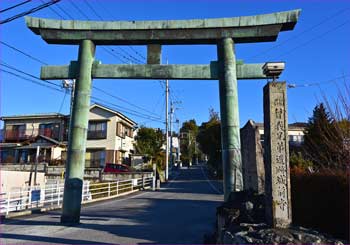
{"x":276,"y":155}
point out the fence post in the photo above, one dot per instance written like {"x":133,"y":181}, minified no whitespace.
{"x":88,"y":190}
{"x":109,"y":188}
{"x":117,"y":187}
{"x":82,"y":191}
{"x":30,"y":196}
{"x":143,"y":182}
{"x":153,"y":183}
{"x":52,"y":191}
{"x":8,"y":203}
{"x":58,"y":196}
{"x":132,"y":184}
{"x":21,"y":198}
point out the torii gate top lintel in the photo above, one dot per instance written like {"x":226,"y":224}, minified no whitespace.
{"x":244,"y":29}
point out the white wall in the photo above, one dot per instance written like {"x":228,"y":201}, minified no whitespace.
{"x":12,"y":180}
{"x":109,"y":142}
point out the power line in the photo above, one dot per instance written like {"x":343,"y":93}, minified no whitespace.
{"x":104,"y":48}
{"x":115,"y":56}
{"x":79,"y":10}
{"x":121,"y":99}
{"x":305,"y":31}
{"x":93,"y":98}
{"x":30,"y":75}
{"x":25,"y":73}
{"x":292,"y":85}
{"x":136,"y":60}
{"x":22,"y":52}
{"x":317,"y":37}
{"x":42,"y":62}
{"x":106,"y":10}
{"x":64,"y":11}
{"x":140,"y":55}
{"x":121,"y":107}
{"x":64,"y":98}
{"x":132,"y":58}
{"x":53,"y":10}
{"x":92,"y":9}
{"x":29,"y":11}
{"x":30,"y":80}
{"x":118,"y":108}
{"x":15,"y":6}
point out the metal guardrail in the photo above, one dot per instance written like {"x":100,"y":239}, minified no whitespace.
{"x":52,"y":195}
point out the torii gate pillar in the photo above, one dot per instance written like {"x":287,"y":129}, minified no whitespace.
{"x":230,"y":131}
{"x":78,"y":127}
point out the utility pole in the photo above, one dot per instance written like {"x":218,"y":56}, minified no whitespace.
{"x":171,"y":133}
{"x":69,"y":84}
{"x":178,"y":141}
{"x":166,"y":130}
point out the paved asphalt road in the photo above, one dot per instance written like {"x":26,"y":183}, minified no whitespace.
{"x":182,"y":212}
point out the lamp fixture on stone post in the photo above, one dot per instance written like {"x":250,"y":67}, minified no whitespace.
{"x":273,"y":69}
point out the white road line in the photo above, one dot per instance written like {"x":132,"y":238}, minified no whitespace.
{"x":209,"y":182}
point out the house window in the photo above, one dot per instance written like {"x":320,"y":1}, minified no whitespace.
{"x":296,"y":138}
{"x":51,"y":130}
{"x":123,"y":130}
{"x":15,"y":132}
{"x":291,"y":138}
{"x":261,"y":138}
{"x":95,"y":158}
{"x":97,"y":130}
{"x":120,"y":130}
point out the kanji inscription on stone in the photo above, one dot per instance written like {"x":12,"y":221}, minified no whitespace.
{"x":276,"y":155}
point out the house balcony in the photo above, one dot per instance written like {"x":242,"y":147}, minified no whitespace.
{"x":28,"y":134}
{"x":19,"y":135}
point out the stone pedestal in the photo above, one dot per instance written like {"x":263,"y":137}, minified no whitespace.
{"x":276,"y":155}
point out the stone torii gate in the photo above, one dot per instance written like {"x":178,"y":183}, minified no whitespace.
{"x":223,"y":32}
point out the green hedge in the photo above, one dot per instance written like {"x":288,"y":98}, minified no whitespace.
{"x":321,"y":201}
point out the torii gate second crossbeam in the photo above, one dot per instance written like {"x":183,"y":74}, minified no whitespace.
{"x":223,"y":32}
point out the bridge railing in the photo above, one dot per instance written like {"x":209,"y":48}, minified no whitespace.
{"x":51,"y":196}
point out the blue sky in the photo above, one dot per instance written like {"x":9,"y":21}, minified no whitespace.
{"x":316,"y":51}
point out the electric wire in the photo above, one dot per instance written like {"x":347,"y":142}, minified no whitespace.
{"x":78,"y":9}
{"x":59,"y":86}
{"x":15,"y":6}
{"x":42,"y":6}
{"x":129,"y":57}
{"x":64,"y":11}
{"x":23,"y":53}
{"x":104,"y":48}
{"x":140,"y":55}
{"x":25,"y":73}
{"x":92,"y":9}
{"x":301,"y":33}
{"x":93,"y":98}
{"x":304,"y":85}
{"x":64,"y":98}
{"x":29,"y":80}
{"x":313,"y":39}
{"x":42,"y":62}
{"x":121,"y":99}
{"x":54,"y":11}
